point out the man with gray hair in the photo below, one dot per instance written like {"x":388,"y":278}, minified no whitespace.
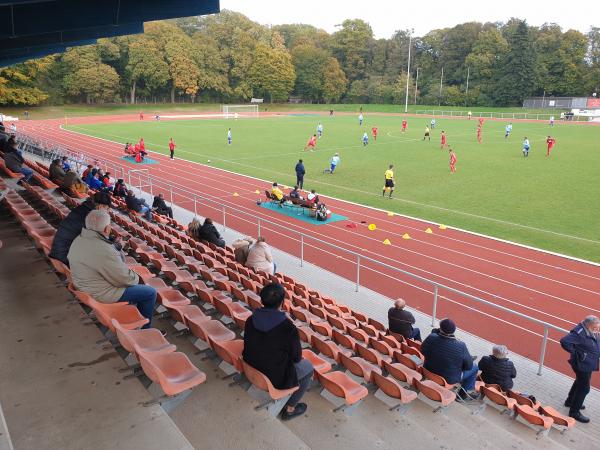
{"x":497,"y":368}
{"x":584,"y":349}
{"x":98,"y":268}
{"x":400,"y":321}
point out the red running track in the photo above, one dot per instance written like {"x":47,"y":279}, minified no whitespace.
{"x":551,"y":288}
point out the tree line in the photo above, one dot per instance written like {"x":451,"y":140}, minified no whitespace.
{"x":227,"y":58}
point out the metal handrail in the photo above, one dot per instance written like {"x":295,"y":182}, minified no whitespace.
{"x":494,"y":115}
{"x":217,"y":204}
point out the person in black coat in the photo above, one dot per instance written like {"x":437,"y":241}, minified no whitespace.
{"x":272,"y":346}
{"x":497,"y":368}
{"x":583,"y":346}
{"x":401,"y":321}
{"x":448,"y":357}
{"x":138,"y":205}
{"x":120,"y":190}
{"x":208,"y":232}
{"x":161,"y":207}
{"x":300,"y":171}
{"x":72,"y":225}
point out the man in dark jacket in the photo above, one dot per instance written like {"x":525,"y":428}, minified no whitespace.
{"x":161,"y":207}
{"x":120,"y":190}
{"x":208,"y":232}
{"x":56,"y":172}
{"x":15,"y":162}
{"x":138,"y":205}
{"x":401,"y":321}
{"x":72,"y":225}
{"x":497,"y":368}
{"x":447,"y":356}
{"x":300,"y":174}
{"x":583,"y":346}
{"x":272,"y":346}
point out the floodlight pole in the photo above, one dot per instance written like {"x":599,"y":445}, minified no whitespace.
{"x":417,"y":84}
{"x":441,"y":83}
{"x":467,"y":92}
{"x":408,"y":70}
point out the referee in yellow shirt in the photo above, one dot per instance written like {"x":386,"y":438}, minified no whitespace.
{"x":389,"y":181}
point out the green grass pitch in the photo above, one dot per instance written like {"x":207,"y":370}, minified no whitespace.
{"x":550,"y":203}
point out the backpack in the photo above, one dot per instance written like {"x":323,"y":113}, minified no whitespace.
{"x":321,"y":212}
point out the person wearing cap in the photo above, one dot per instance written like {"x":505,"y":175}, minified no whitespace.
{"x":448,"y":357}
{"x":401,"y":322}
{"x":72,"y":225}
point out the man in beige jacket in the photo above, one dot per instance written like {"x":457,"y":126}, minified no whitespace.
{"x":98,"y":269}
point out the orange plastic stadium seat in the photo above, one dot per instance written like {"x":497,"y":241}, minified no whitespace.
{"x":407,"y":360}
{"x":232,"y":309}
{"x":203,"y":328}
{"x":146,"y":257}
{"x":438,"y":379}
{"x":173,"y":297}
{"x":184,"y":313}
{"x":341,"y":385}
{"x":173,"y":371}
{"x":305,"y":333}
{"x":392,"y":341}
{"x":319,"y":364}
{"x":323,"y":328}
{"x":369,"y":329}
{"x":358,"y":334}
{"x":377,"y":325}
{"x":143,"y":273}
{"x":230,"y":352}
{"x":339,"y":323}
{"x":498,"y":398}
{"x":344,"y":340}
{"x":531,"y":417}
{"x":371,"y":355}
{"x":328,"y":348}
{"x":411,"y":351}
{"x":128,"y":315}
{"x":381,"y":346}
{"x":523,"y":400}
{"x":435,"y":392}
{"x":157,"y":283}
{"x":150,"y":340}
{"x":402,"y":373}
{"x":359,"y":367}
{"x":260,"y":381}
{"x":391,"y":388}
{"x":561,"y":421}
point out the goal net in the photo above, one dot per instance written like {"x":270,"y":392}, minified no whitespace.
{"x":235,"y":111}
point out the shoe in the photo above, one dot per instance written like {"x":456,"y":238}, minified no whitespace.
{"x":298,"y":411}
{"x":568,"y":405}
{"x":580,"y":417}
{"x":468,"y":396}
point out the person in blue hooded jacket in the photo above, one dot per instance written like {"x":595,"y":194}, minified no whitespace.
{"x":272,"y":346}
{"x":583,"y":346}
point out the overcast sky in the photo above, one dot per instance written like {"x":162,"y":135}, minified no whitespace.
{"x":387,"y":16}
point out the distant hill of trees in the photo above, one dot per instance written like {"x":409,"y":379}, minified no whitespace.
{"x":227,"y":58}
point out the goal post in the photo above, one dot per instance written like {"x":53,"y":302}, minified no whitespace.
{"x":235,"y":111}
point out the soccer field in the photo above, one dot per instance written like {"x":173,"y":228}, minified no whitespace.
{"x":551,"y":203}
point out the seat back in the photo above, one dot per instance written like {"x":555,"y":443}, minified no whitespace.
{"x":324,"y":347}
{"x":351,"y":365}
{"x":380,"y":346}
{"x":387,"y":385}
{"x":230,"y":352}
{"x":358,"y":334}
{"x":322,"y":328}
{"x":367,"y":354}
{"x":495,"y":396}
{"x":406,"y":360}
{"x":258,"y":379}
{"x":427,"y":391}
{"x":343,"y":340}
{"x":437,"y":379}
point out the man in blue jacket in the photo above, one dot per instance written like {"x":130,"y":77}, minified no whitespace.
{"x":584,"y":347}
{"x":300,"y":174}
{"x":447,"y":356}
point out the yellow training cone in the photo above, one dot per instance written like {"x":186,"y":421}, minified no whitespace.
{"x":405,"y":236}
{"x":257,"y":191}
{"x":429,"y":231}
{"x":235,"y":194}
{"x":387,"y":242}
{"x":442,"y":227}
{"x":390,"y":213}
{"x":372,"y":227}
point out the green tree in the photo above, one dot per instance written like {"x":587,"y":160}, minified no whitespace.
{"x":334,"y":81}
{"x":97,"y":83}
{"x":351,"y":46}
{"x":518,"y":74}
{"x":485,"y":60}
{"x":146,"y":65}
{"x":272,"y":73}
{"x":309,"y":63}
{"x":18,"y":83}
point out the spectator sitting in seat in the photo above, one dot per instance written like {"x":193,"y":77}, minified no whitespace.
{"x":86,"y":172}
{"x":272,"y":346}
{"x":260,"y":258}
{"x":401,"y":321}
{"x":94,"y":180}
{"x":56,"y":172}
{"x":193,"y":229}
{"x":120,"y":190}
{"x":70,"y":227}
{"x":138,"y":205}
{"x":15,"y":162}
{"x":241,"y":248}
{"x":161,"y":207}
{"x":208,"y":232}
{"x":65,"y":164}
{"x":497,"y":368}
{"x":98,"y":268}
{"x":312,"y":198}
{"x":278,"y":194}
{"x":448,"y":357}
{"x":72,"y":181}
{"x":106,"y":180}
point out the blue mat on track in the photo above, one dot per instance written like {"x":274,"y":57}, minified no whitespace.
{"x":147,"y":160}
{"x":299,"y":214}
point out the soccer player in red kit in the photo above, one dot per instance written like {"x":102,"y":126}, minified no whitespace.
{"x":141,"y":115}
{"x":481,"y":121}
{"x":312,"y":143}
{"x":142,"y":145}
{"x":171,"y":147}
{"x":479,"y":134}
{"x":374,"y":131}
{"x":404,"y":123}
{"x":452,"y":161}
{"x":550,"y":142}
{"x":136,"y":148}
{"x":443,"y":139}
